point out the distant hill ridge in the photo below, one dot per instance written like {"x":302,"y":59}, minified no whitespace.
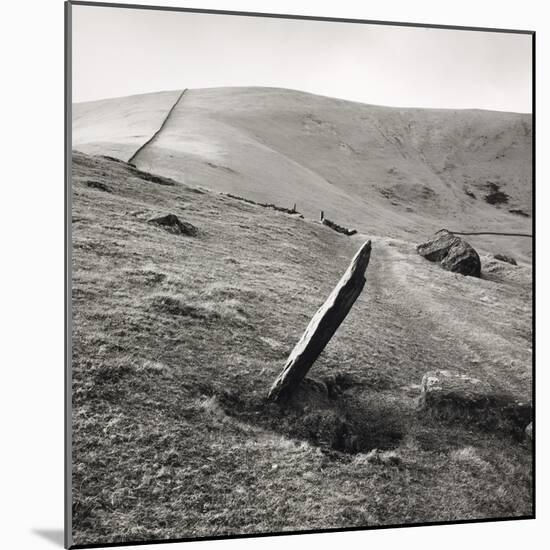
{"x":398,"y":172}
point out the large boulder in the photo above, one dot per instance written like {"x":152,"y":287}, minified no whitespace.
{"x":462,"y":258}
{"x":453,"y":253}
{"x":452,"y":396}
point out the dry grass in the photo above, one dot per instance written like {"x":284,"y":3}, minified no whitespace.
{"x":380,"y":170}
{"x":176,"y":341}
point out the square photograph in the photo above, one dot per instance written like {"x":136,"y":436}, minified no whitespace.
{"x":300,"y":274}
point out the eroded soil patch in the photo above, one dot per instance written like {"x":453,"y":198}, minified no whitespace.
{"x":335,"y":413}
{"x":340,"y":414}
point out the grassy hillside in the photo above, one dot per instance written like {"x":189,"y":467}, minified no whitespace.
{"x":177,"y":339}
{"x":118,"y":127}
{"x":397,"y":172}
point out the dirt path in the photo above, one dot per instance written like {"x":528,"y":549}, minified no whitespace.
{"x":434,"y":319}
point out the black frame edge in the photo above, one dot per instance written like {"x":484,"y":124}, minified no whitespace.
{"x":534,"y":263}
{"x":68,"y":279}
{"x":295,"y":16}
{"x":68,"y":542}
{"x":300,"y":532}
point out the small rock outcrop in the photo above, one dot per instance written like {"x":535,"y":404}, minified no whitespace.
{"x":529,"y":432}
{"x":98,"y":185}
{"x":495,"y":195}
{"x":173,"y":224}
{"x":453,"y":253}
{"x":504,"y":258}
{"x":338,"y":228}
{"x":456,"y":397}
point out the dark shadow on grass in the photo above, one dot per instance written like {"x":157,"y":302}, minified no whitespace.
{"x":55,"y":536}
{"x":336,"y":413}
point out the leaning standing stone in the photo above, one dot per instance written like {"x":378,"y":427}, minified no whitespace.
{"x":322,"y":327}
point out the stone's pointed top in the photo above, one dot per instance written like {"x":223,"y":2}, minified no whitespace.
{"x":366,"y":248}
{"x":361,"y":259}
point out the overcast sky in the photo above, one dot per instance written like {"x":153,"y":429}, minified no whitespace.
{"x":118,"y":52}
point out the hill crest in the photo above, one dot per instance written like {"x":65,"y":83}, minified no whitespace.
{"x":398,"y":172}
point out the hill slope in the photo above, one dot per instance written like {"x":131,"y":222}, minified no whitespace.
{"x":177,"y":339}
{"x":118,"y":127}
{"x":393,"y":172}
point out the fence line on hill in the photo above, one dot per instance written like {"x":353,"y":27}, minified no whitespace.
{"x":155,"y":135}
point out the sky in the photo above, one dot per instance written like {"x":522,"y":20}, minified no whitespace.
{"x":118,"y":52}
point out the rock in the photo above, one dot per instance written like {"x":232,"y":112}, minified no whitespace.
{"x":311,"y":394}
{"x":454,"y":253}
{"x":338,"y":383}
{"x":173,"y":224}
{"x":336,"y":227}
{"x":456,"y":397}
{"x":385,"y":458}
{"x":438,"y":246}
{"x":462,"y":258}
{"x":98,"y":185}
{"x":322,"y":327}
{"x":529,"y":432}
{"x":504,"y":258}
{"x":310,"y":413}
